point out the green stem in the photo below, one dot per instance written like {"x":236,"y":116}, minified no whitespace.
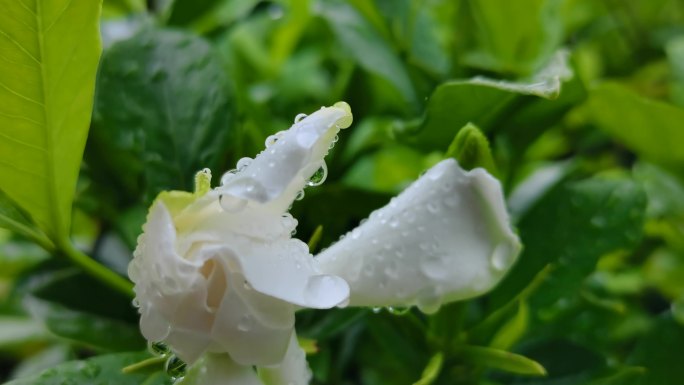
{"x":144,"y":364}
{"x":96,"y":270}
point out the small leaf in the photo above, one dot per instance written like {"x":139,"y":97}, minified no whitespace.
{"x":100,"y":370}
{"x":471,"y":149}
{"x":432,"y":370}
{"x":648,"y":127}
{"x":512,"y":330}
{"x":47,"y":78}
{"x":500,"y":359}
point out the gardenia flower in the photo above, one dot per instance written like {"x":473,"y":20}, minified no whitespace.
{"x":218,"y":276}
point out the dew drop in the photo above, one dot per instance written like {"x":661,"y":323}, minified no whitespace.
{"x":435,"y":267}
{"x":319,"y":176}
{"x":432,"y":207}
{"x":429,"y":304}
{"x":321,"y":289}
{"x":231,"y":203}
{"x":135,"y":302}
{"x":501,"y":256}
{"x":398,"y":310}
{"x":245,"y":323}
{"x":158,"y":348}
{"x":299,"y":117}
{"x":376,"y":309}
{"x":300,"y":195}
{"x":243,"y":162}
{"x":228,"y":175}
{"x":175,"y":367}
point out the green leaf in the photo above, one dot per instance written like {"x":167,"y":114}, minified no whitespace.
{"x":513,"y":37}
{"x":571,"y":227}
{"x":97,"y":317}
{"x":513,"y":330}
{"x":660,"y":352}
{"x":100,"y":370}
{"x":499,"y":359}
{"x":47,"y":77}
{"x":675,"y":55}
{"x":15,"y":219}
{"x":162,"y":113}
{"x":431,"y":371}
{"x":95,"y":331}
{"x":648,"y":127}
{"x":368,"y":48}
{"x":471,"y":149}
{"x":484,"y":102}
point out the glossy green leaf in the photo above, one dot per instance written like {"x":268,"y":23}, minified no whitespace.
{"x":500,"y":359}
{"x":484,"y":102}
{"x":471,"y":149}
{"x":648,"y":127}
{"x":100,"y":370}
{"x":571,"y":227}
{"x":162,"y":112}
{"x":15,"y":219}
{"x":50,"y":51}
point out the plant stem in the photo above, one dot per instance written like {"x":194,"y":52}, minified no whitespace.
{"x":96,"y":270}
{"x":144,"y":364}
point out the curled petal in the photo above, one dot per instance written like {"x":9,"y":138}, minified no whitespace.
{"x":219,"y":369}
{"x":278,"y":173}
{"x":293,"y":370}
{"x":447,"y":237}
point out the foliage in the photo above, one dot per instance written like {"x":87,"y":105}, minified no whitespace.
{"x":574,"y":105}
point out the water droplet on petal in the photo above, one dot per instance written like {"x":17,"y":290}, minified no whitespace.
{"x":245,"y":323}
{"x":321,"y":290}
{"x":319,"y":176}
{"x":501,"y":256}
{"x":376,"y":309}
{"x":299,"y":117}
{"x":231,"y":203}
{"x":227,"y":176}
{"x":435,"y":267}
{"x":300,"y":195}
{"x":429,"y":304}
{"x":243,"y":162}
{"x":175,"y":367}
{"x":158,"y":348}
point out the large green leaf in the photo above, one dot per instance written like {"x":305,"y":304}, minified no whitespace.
{"x":571,"y":227}
{"x":488,"y":102}
{"x":50,"y":51}
{"x":514,"y":36}
{"x":101,"y":370}
{"x":648,"y":127}
{"x":365,"y":44}
{"x":161,"y":113}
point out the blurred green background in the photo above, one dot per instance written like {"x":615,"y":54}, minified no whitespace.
{"x":583,"y":105}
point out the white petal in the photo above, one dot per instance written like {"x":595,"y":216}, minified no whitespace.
{"x":447,"y":237}
{"x":244,"y":336}
{"x":294,"y":370}
{"x":278,"y":173}
{"x":282,"y":269}
{"x":219,"y":369}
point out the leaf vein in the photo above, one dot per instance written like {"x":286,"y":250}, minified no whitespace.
{"x":12,"y":116}
{"x":21,"y":47}
{"x":59,"y":16}
{"x":20,"y":95}
{"x":21,"y":142}
{"x":32,"y":12}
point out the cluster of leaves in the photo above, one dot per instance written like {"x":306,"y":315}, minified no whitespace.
{"x":582,"y":102}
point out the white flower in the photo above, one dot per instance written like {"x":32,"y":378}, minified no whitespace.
{"x":219,"y":277}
